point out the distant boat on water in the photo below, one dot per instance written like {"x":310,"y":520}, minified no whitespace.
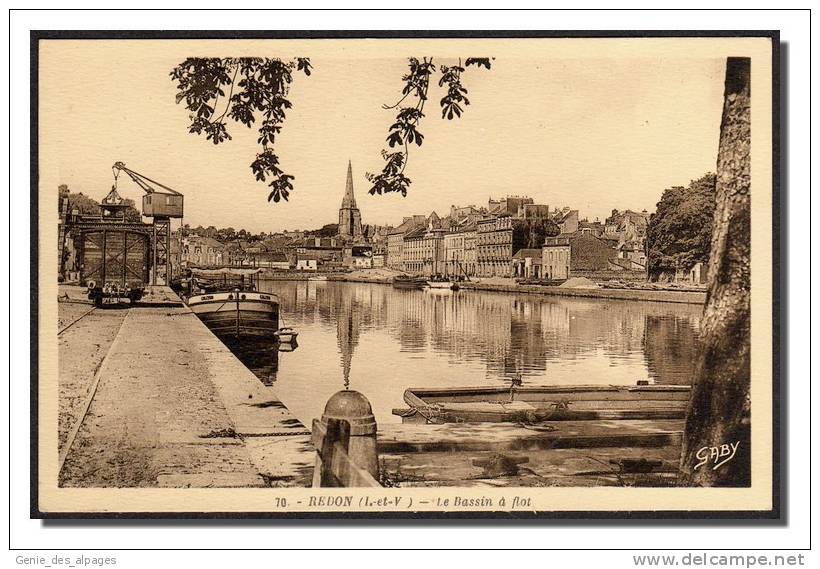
{"x":443,"y":283}
{"x":406,"y":281}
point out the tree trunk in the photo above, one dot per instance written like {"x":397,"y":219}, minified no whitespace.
{"x":719,"y":408}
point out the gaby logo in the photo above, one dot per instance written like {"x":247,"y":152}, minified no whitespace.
{"x":719,"y":455}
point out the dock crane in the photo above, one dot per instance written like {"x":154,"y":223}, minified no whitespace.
{"x":161,"y":204}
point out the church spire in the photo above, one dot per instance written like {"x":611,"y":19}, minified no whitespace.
{"x":350,"y":218}
{"x":349,"y":201}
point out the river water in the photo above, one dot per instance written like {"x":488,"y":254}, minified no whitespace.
{"x":379,"y":340}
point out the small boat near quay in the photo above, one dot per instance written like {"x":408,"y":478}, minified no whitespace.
{"x":408,"y":282}
{"x":443,"y":284}
{"x":517,"y":404}
{"x":286,"y":335}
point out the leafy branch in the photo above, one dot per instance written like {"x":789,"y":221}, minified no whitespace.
{"x":261,"y":89}
{"x":404,"y":132}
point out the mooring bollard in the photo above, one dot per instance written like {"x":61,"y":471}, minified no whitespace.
{"x":348,"y":419}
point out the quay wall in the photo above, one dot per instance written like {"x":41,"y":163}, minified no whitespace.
{"x":684,"y":297}
{"x":384,"y":277}
{"x":196,"y":417}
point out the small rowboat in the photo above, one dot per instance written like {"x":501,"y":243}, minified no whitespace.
{"x":517,"y":404}
{"x":286,"y":334}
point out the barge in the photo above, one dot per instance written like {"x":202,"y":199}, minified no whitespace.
{"x":239,"y":311}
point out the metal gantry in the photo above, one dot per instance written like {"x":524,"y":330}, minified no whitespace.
{"x":161,"y":204}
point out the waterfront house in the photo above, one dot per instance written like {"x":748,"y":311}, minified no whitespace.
{"x":493,"y":246}
{"x":358,"y":257}
{"x":413,"y":253}
{"x":555,"y":258}
{"x":423,"y":247}
{"x":527,"y":263}
{"x":453,"y":251}
{"x":459,"y":248}
{"x":395,"y":241}
{"x":433,"y":244}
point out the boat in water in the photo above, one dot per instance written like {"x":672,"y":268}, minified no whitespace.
{"x":442,"y":282}
{"x":286,"y":335}
{"x":231,"y":305}
{"x":516,"y":404}
{"x":406,"y":281}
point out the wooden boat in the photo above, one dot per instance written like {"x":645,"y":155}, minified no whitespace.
{"x":242,"y":311}
{"x":447,"y":283}
{"x":286,"y":335}
{"x":440,"y":283}
{"x":538,"y":404}
{"x":406,"y":281}
{"x":287,"y":346}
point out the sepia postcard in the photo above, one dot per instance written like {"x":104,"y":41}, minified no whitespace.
{"x":405,"y":274}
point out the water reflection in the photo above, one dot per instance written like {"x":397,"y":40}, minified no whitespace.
{"x":381,"y":340}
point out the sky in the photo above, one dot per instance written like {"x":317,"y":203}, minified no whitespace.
{"x":579,"y":123}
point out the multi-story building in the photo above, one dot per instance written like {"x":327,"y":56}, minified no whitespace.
{"x":494,"y":246}
{"x":395,"y":248}
{"x":413,"y":253}
{"x":630,"y":229}
{"x":459,"y":249}
{"x":203,"y":252}
{"x":499,"y":237}
{"x":567,"y":220}
{"x":453,"y":251}
{"x":579,"y":253}
{"x":556,"y":257}
{"x":423,"y":248}
{"x":631,"y":224}
{"x":470,"y":259}
{"x":460,"y":213}
{"x":395,"y":241}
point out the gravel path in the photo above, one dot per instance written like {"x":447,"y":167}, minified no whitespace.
{"x":81,"y":349}
{"x":156,"y":419}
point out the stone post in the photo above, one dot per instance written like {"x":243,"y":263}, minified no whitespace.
{"x":348,"y":415}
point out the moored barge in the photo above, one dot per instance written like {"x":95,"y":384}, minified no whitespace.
{"x":239,"y":311}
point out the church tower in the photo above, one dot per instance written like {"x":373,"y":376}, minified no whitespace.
{"x":350,"y":218}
